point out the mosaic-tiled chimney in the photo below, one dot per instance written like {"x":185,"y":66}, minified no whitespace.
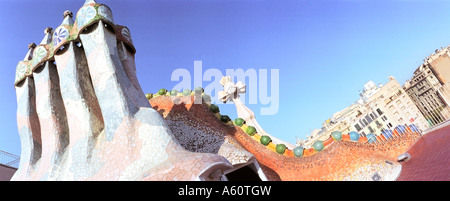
{"x":82,"y":114}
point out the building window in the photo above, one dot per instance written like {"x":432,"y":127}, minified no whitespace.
{"x":365,"y":122}
{"x":358,"y":128}
{"x":372,"y":116}
{"x":387,"y":101}
{"x":389,"y":125}
{"x":371,"y":130}
{"x":368,"y":119}
{"x":379,"y":111}
{"x":384,"y":118}
{"x":359,"y":113}
{"x":378,"y":123}
{"x":400,"y":120}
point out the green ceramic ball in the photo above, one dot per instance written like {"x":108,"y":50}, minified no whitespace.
{"x":199,"y":90}
{"x":250,"y":130}
{"x":214,"y":108}
{"x":298,"y":152}
{"x":280,"y":148}
{"x":186,"y":92}
{"x":336,"y":135}
{"x":162,"y":92}
{"x":225,"y":118}
{"x":265,"y":140}
{"x":149,"y":96}
{"x":174,"y":92}
{"x":239,"y":121}
{"x":206,"y":98}
{"x":318,"y":145}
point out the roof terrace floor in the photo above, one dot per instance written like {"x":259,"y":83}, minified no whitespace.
{"x":430,"y":158}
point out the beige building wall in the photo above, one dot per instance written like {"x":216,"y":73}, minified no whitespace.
{"x":440,"y":64}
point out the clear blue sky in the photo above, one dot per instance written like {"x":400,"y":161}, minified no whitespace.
{"x":325,"y":50}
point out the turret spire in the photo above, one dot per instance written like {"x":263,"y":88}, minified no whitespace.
{"x":67,"y":18}
{"x":48,"y":36}
{"x":29,"y":55}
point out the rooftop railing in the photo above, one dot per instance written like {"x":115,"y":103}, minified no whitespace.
{"x":9,"y":159}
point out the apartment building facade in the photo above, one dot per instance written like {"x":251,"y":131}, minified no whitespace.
{"x":428,"y":90}
{"x":388,"y":107}
{"x":380,"y":108}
